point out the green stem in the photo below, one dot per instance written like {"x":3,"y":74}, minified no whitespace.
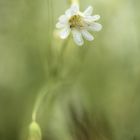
{"x":45,"y":91}
{"x":38,"y":103}
{"x":75,"y":1}
{"x":60,"y":56}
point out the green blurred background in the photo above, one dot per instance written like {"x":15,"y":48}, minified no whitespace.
{"x":100,"y":93}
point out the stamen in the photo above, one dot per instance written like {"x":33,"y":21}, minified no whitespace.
{"x":76,"y":21}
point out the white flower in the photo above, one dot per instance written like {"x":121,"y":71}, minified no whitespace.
{"x":78,"y":23}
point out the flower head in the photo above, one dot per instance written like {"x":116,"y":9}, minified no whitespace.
{"x":78,"y":23}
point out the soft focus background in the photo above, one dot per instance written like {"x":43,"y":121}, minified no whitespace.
{"x":99,"y":98}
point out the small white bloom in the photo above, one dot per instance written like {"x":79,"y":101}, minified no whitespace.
{"x":78,"y":23}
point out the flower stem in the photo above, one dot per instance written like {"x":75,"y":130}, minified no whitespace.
{"x":75,"y":1}
{"x":62,"y":51}
{"x":38,"y":103}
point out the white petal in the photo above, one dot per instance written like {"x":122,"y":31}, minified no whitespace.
{"x":77,"y":37}
{"x":88,"y":11}
{"x":95,"y":27}
{"x":87,"y":35}
{"x":64,"y":33}
{"x":74,"y":9}
{"x":60,"y":25}
{"x":63,"y":19}
{"x":96,"y":17}
{"x":92,"y":18}
{"x":68,"y":13}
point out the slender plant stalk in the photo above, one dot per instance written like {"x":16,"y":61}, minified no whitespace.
{"x":34,"y":128}
{"x":38,"y":103}
{"x":75,"y":1}
{"x":62,"y":51}
{"x":50,"y":31}
{"x":45,"y":91}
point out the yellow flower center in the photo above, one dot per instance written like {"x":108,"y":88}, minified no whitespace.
{"x":76,"y":21}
